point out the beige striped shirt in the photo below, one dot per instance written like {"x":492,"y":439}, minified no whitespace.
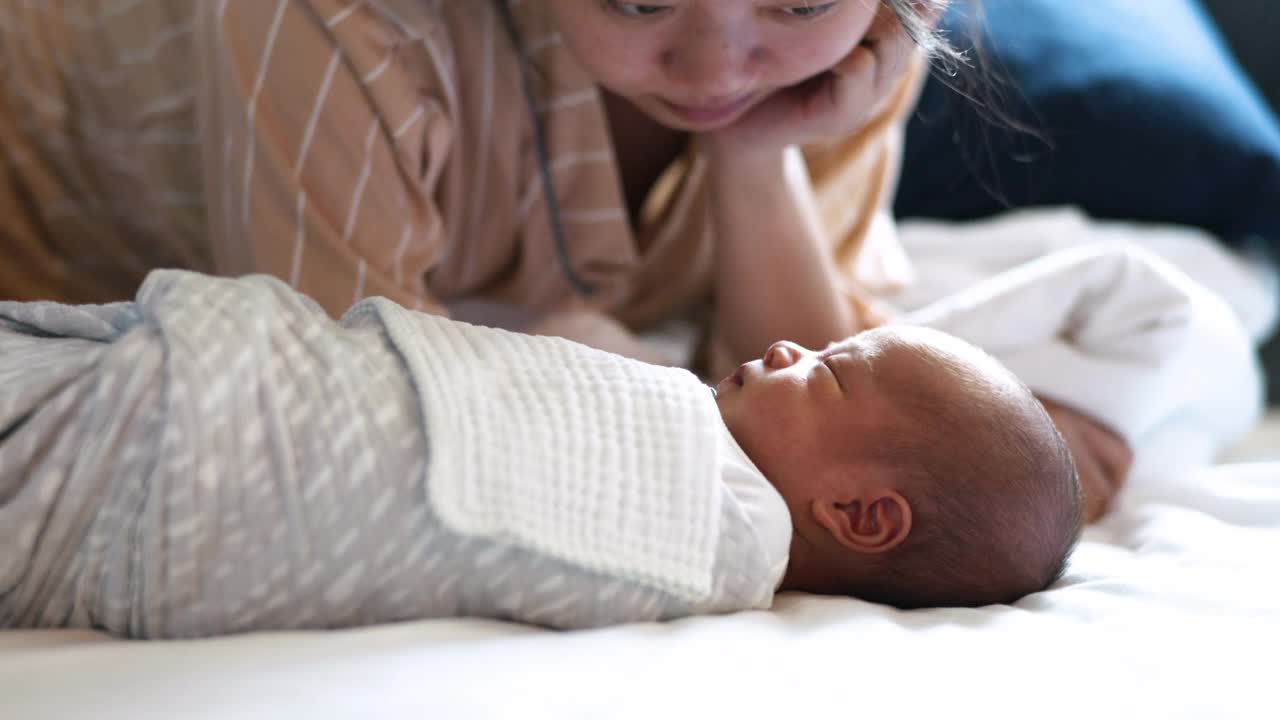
{"x":355,"y":148}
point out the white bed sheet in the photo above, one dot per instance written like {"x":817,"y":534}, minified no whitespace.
{"x":1171,"y":609}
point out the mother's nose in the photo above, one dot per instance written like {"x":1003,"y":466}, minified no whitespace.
{"x":713,"y":62}
{"x":783,"y":354}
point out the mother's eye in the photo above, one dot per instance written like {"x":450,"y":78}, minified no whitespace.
{"x":636,"y":9}
{"x":808,"y":11}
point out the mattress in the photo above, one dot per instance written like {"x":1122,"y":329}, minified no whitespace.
{"x":1170,"y":609}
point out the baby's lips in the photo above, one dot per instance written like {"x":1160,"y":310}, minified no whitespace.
{"x":736,"y":379}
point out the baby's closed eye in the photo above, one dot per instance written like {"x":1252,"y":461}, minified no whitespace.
{"x":830,"y":367}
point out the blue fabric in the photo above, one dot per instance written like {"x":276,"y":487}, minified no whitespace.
{"x":1142,"y":114}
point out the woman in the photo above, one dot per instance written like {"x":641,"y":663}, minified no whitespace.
{"x":602,"y":165}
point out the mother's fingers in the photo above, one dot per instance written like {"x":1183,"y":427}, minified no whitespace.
{"x":1102,"y":457}
{"x":1113,"y":453}
{"x":854,"y":94}
{"x":892,"y":45}
{"x":858,"y":62}
{"x":1093,"y":481}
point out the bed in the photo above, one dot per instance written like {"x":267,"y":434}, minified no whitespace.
{"x":1170,"y":608}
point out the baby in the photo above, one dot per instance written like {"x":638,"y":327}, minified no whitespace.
{"x":220,"y":457}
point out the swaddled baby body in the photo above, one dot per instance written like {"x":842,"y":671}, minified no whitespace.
{"x":220,"y":457}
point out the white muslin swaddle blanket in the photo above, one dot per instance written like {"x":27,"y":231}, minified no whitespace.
{"x":565,"y":450}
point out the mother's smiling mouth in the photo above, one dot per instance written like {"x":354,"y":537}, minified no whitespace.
{"x":710,"y":115}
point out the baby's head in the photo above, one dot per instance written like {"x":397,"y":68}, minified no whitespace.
{"x":919,"y":472}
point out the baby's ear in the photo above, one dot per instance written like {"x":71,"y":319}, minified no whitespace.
{"x":871,"y":522}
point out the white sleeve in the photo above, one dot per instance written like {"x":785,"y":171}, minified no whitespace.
{"x":1117,"y":332}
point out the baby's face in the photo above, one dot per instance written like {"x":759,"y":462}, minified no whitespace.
{"x":804,"y":417}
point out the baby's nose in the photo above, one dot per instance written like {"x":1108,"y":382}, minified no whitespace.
{"x":781,"y":355}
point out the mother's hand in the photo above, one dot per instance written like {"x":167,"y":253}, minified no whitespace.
{"x":830,"y":106}
{"x":1102,"y":457}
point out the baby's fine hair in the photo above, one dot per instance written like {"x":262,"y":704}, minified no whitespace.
{"x":996,"y":502}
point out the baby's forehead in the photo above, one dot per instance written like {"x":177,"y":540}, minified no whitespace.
{"x":897,"y":346}
{"x":920,"y":363}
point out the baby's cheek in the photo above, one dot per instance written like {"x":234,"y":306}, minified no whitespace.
{"x":788,"y":451}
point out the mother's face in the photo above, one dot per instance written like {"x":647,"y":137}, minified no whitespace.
{"x":699,"y":65}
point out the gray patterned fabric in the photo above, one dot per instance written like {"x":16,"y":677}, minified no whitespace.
{"x":220,"y":457}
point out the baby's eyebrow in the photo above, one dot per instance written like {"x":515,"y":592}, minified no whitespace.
{"x":850,"y":348}
{"x":838,"y":346}
{"x":833,"y":368}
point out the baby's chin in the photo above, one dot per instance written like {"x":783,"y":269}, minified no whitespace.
{"x":719,"y":399}
{"x":724,"y":404}
{"x":738,"y":437}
